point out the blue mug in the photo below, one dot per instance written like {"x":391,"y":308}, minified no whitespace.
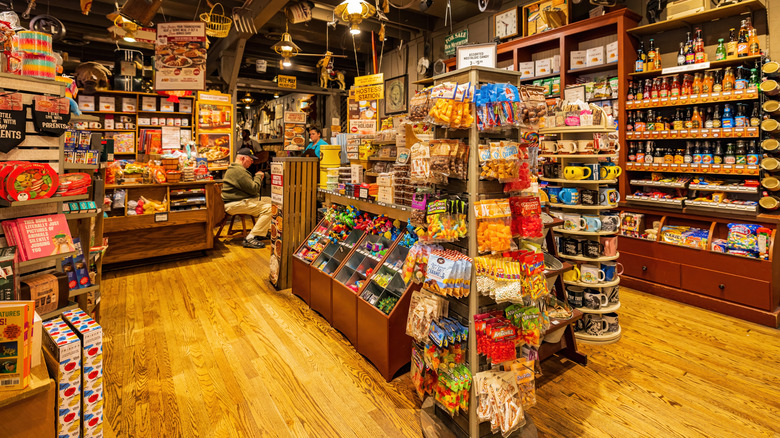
{"x":569,"y":196}
{"x":591,"y":224}
{"x":594,"y":174}
{"x":611,"y":270}
{"x":554,"y":194}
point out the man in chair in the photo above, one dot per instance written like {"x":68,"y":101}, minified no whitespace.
{"x":241,"y":194}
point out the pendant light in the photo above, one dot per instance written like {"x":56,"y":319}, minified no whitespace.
{"x":353,"y":12}
{"x":286,"y":47}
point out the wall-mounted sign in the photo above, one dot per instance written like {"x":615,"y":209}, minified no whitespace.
{"x":286,"y":81}
{"x":180,"y":56}
{"x":455,"y":40}
{"x":481,"y":55}
{"x":294,"y":117}
{"x":12,"y":121}
{"x":261,"y":65}
{"x":378,"y":78}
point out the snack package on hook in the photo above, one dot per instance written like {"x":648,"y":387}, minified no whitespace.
{"x":534,"y":106}
{"x":501,"y":161}
{"x":494,"y":233}
{"x":440,"y":152}
{"x":419,"y":105}
{"x":523,"y":371}
{"x":526,"y":217}
{"x":526,"y":161}
{"x":442,"y":101}
{"x":420,"y":168}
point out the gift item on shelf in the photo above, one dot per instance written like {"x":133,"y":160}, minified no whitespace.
{"x":24,"y":181}
{"x":450,"y":105}
{"x":63,"y":354}
{"x":501,"y":106}
{"x":512,"y":276}
{"x":39,"y":236}
{"x":447,"y":220}
{"x":494,"y":233}
{"x":16,"y":328}
{"x":747,"y":240}
{"x":685,"y":236}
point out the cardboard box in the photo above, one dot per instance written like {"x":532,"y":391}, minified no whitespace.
{"x":356,"y":174}
{"x":556,"y":63}
{"x":62,"y":352}
{"x":612,"y":52}
{"x":386,"y":195}
{"x":384,"y":180}
{"x":578,"y":59}
{"x":526,"y":69}
{"x":543,"y":67}
{"x":595,"y":56}
{"x":91,"y":335}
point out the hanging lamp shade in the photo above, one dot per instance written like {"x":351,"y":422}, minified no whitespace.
{"x":353,"y":12}
{"x":286,"y":47}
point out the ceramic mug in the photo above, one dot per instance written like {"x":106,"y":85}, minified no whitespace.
{"x":575,"y":294}
{"x":594,"y":324}
{"x":572,"y":275}
{"x":567,"y":147}
{"x":610,"y":222}
{"x":585,"y":146}
{"x":591,"y":224}
{"x":551,"y":170}
{"x":609,"y":196}
{"x":570,"y":246}
{"x":595,"y":301}
{"x":610,"y":246}
{"x":577,"y":172}
{"x":572,"y":221}
{"x":610,"y":172}
{"x":592,"y":249}
{"x":549,"y":147}
{"x":591,"y":273}
{"x":613,"y":293}
{"x":569,"y":196}
{"x":613,"y":325}
{"x":589,"y":197}
{"x":553,"y":192}
{"x":611,"y":270}
{"x":594,"y":170}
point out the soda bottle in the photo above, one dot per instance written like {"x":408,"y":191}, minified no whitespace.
{"x":632,"y":152}
{"x":730,"y":157}
{"x":716,"y":120}
{"x":664,"y":91}
{"x":675,"y":88}
{"x":741,"y":152}
{"x":630,"y":121}
{"x":696,"y":86}
{"x":689,"y":119}
{"x":752,"y":153}
{"x":742,"y":41}
{"x":707,"y":156}
{"x":688,"y":157}
{"x":720,"y":52}
{"x":651,"y":54}
{"x":631,"y":93}
{"x":640,"y":58}
{"x":728,"y":80}
{"x":708,"y":119}
{"x":753,"y":47}
{"x":650,"y":122}
{"x":648,"y":91}
{"x":649,"y":152}
{"x":697,"y":154}
{"x":717,"y":156}
{"x":668,"y":156}
{"x":706,"y":86}
{"x":728,"y":119}
{"x":731,"y":47}
{"x":755,"y":118}
{"x":717,"y":82}
{"x":740,"y":120}
{"x":690,"y":53}
{"x":679,"y":155}
{"x":656,"y":89}
{"x":699,"y":55}
{"x":639,"y":122}
{"x":640,"y":153}
{"x":741,"y":82}
{"x":678,"y":123}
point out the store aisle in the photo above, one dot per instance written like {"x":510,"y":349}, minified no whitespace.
{"x":207,"y":348}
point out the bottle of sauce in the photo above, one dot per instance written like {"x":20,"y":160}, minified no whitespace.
{"x":681,"y":54}
{"x":717,"y":82}
{"x":727,"y":121}
{"x":679,"y":155}
{"x":728,"y":80}
{"x":658,"y":155}
{"x":707,"y":155}
{"x":753,"y":47}
{"x":731,"y":46}
{"x":632,"y":152}
{"x":675,"y":88}
{"x":741,"y":152}
{"x":650,"y":122}
{"x":631,"y":92}
{"x":716,"y":120}
{"x":690,"y":53}
{"x":639,"y":122}
{"x":688,"y":119}
{"x":706,"y":86}
{"x":708,"y":119}
{"x":752,"y":153}
{"x":640,"y":93}
{"x":720,"y":52}
{"x":656,"y":89}
{"x":754,"y":78}
{"x":648,"y":90}
{"x":664,"y":90}
{"x":640,"y":153}
{"x":688,"y":157}
{"x":668,"y":156}
{"x":699,"y":54}
{"x":630,"y":121}
{"x":742,"y":41}
{"x":696,"y":86}
{"x":660,"y":124}
{"x":651,"y":54}
{"x":717,"y":156}
{"x":678,"y":123}
{"x":696,"y":118}
{"x":741,"y":82}
{"x":740,"y":119}
{"x":730,"y":157}
{"x":687,"y":85}
{"x":697,"y":153}
{"x":649,"y":152}
{"x":755,"y":118}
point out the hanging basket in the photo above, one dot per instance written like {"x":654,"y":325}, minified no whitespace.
{"x":217,"y":25}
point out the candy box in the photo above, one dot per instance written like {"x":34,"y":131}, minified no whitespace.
{"x":91,"y":335}
{"x":527,"y":69}
{"x":595,"y":56}
{"x":16,"y":324}
{"x":62,"y":352}
{"x":579,"y":59}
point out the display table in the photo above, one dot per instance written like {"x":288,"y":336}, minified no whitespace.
{"x":29,"y":411}
{"x":175,"y":231}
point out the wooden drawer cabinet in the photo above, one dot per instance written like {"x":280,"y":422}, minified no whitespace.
{"x":650,"y":269}
{"x":734,"y":288}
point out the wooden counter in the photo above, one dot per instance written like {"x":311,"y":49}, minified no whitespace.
{"x":29,"y":411}
{"x":139,"y":237}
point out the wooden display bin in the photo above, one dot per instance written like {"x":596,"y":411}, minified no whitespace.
{"x":301,"y":268}
{"x":322,"y":269}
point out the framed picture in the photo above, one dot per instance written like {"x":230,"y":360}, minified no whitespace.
{"x":396,"y":95}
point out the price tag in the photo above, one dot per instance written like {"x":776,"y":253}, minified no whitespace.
{"x":673,"y":99}
{"x":684,"y":166}
{"x":161,"y":217}
{"x":738,"y":93}
{"x":683,"y":133}
{"x":694,"y":132}
{"x":694,"y":166}
{"x":664,"y":133}
{"x":646,"y":134}
{"x":647,"y":165}
{"x":726,"y":94}
{"x":673,"y":167}
{"x":752,"y":131}
{"x":705,"y":167}
{"x":728,"y":167}
{"x":654,"y":101}
{"x":694,"y":96}
{"x":716,"y":167}
{"x":716,"y":132}
{"x":682,"y":98}
{"x":704,"y":96}
{"x":664,"y":100}
{"x":739,"y":166}
{"x":715,"y":96}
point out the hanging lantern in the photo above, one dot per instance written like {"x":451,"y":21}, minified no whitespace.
{"x":286,"y":47}
{"x":353,"y":12}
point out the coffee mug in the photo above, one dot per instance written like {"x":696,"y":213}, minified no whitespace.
{"x":611,"y":270}
{"x":610,"y":222}
{"x":594,"y":170}
{"x":567,"y":147}
{"x":591,"y":273}
{"x":572,"y":275}
{"x":569,"y":196}
{"x":610,"y":246}
{"x":589,"y":197}
{"x":585,"y":146}
{"x":576,"y":295}
{"x":595,"y":301}
{"x":548,"y":147}
{"x":592,"y":249}
{"x":577,"y":173}
{"x":609,"y":196}
{"x":553,"y":192}
{"x":572,"y":221}
{"x":610,"y":172}
{"x":613,"y":293}
{"x":591,"y":224}
{"x":594,"y":325}
{"x":613,"y":325}
{"x":551,"y":170}
{"x":95,"y":125}
{"x":570,"y":246}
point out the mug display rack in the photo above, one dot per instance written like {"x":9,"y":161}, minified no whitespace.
{"x":586,"y":329}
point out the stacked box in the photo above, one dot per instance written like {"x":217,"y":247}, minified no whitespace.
{"x":91,"y":335}
{"x":62,"y":351}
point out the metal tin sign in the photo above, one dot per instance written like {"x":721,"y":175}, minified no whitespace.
{"x":286,"y":81}
{"x":455,"y":40}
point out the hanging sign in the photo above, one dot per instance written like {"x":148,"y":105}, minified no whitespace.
{"x":480,"y":55}
{"x":180,"y":56}
{"x":286,"y":81}
{"x":455,"y":40}
{"x":378,"y":78}
{"x":12,"y":121}
{"x":370,"y":92}
{"x":51,"y":114}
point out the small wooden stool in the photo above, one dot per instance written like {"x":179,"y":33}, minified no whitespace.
{"x":232,"y":218}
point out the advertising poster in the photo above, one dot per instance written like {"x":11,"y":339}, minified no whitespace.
{"x":214,"y":127}
{"x":277,"y":200}
{"x":180,"y":56}
{"x":362,"y":104}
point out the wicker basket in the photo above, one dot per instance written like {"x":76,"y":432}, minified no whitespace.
{"x":173,"y":176}
{"x":217,"y":25}
{"x":170,"y":163}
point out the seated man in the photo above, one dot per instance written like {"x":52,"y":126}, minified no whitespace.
{"x":241,"y":193}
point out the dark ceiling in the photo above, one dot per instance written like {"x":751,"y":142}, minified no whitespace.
{"x":88,"y":39}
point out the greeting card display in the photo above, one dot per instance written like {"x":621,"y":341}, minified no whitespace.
{"x":12,"y":121}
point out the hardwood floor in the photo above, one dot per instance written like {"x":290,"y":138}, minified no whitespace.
{"x":206,"y":348}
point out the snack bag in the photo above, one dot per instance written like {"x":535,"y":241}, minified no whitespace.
{"x":420,"y":170}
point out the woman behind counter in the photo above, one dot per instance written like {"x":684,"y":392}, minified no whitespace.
{"x":315,"y":135}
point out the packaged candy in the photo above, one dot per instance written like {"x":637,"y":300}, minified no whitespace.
{"x":526,"y":217}
{"x":420,"y":168}
{"x":419,"y":105}
{"x":493,"y":225}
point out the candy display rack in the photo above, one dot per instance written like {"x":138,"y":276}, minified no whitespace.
{"x":600,"y":159}
{"x":322,"y":270}
{"x":301,"y":272}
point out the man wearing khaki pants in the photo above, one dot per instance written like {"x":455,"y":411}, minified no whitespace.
{"x":241,"y":194}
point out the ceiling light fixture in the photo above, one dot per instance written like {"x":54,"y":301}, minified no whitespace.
{"x":353,"y":12}
{"x":286,"y":47}
{"x":276,"y":95}
{"x":248,"y":99}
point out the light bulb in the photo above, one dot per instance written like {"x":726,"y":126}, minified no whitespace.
{"x":276,"y":96}
{"x":129,"y":38}
{"x":286,"y":49}
{"x":247,"y":107}
{"x":286,"y":63}
{"x":354,"y":29}
{"x":354,"y":7}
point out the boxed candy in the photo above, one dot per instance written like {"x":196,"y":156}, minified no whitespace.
{"x":91,"y":335}
{"x":62,"y":351}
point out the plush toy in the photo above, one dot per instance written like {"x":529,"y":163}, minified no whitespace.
{"x":92,"y":76}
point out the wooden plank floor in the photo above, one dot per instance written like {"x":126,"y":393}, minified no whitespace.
{"x":206,"y":348}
